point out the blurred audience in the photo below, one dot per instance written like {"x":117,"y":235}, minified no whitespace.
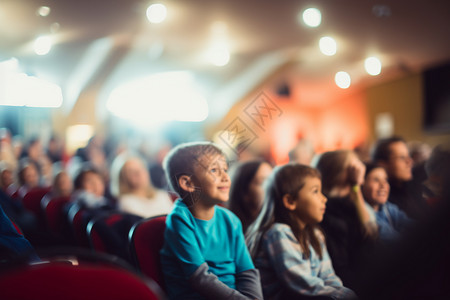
{"x":436,"y":168}
{"x":302,"y":153}
{"x":27,"y":176}
{"x":89,"y":188}
{"x":285,"y":243}
{"x":131,"y":185}
{"x":350,"y":232}
{"x":393,"y":155}
{"x":62,"y":185}
{"x":391,"y":221}
{"x":246,"y":191}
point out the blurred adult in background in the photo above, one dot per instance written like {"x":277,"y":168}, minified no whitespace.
{"x":391,"y":221}
{"x":393,"y":155}
{"x":89,"y":189}
{"x":7,"y":180}
{"x":302,"y":153}
{"x":27,"y":176}
{"x":62,"y":185}
{"x":246,"y":192}
{"x":436,"y":168}
{"x":55,"y":148}
{"x":350,"y":232}
{"x":130,"y":183}
{"x":6,"y":148}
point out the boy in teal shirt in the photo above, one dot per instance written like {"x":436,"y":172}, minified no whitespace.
{"x":204,"y":254}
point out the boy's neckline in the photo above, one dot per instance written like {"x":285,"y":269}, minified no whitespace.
{"x":202,"y":214}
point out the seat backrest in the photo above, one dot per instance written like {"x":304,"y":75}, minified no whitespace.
{"x":146,"y":240}
{"x":57,"y":280}
{"x":76,"y":217}
{"x":108,"y":233}
{"x":54,"y":214}
{"x":32,"y":200}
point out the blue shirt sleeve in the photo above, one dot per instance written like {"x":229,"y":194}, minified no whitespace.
{"x":181,"y":239}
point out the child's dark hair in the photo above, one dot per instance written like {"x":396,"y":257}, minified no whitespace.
{"x":182,"y":159}
{"x":85,"y":169}
{"x":287,"y":179}
{"x":242,"y":176}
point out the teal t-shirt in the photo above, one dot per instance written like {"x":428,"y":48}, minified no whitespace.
{"x":190,"y":242}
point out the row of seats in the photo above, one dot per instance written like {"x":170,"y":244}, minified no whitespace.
{"x":124,"y":236}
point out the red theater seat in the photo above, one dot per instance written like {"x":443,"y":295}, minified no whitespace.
{"x":62,"y":280}
{"x":108,"y":233}
{"x":146,"y":240}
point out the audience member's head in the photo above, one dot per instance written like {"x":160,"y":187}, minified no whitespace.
{"x":246,"y":193}
{"x":419,"y":151}
{"x":28,"y":174}
{"x":90,"y":180}
{"x":393,"y":155}
{"x":33,"y":149}
{"x":191,"y":168}
{"x":129,"y":175}
{"x":302,"y":153}
{"x":340,"y":169}
{"x":62,"y":184}
{"x":437,"y":168}
{"x":6,"y":175}
{"x":290,"y":198}
{"x":376,"y":186}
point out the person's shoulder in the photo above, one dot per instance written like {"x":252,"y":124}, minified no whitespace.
{"x":180,"y":210}
{"x":225,"y":215}
{"x":278,"y":231}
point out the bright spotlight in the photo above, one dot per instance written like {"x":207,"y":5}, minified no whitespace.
{"x":156,"y":13}
{"x":43,"y":11}
{"x":342,"y":79}
{"x":372,"y":66}
{"x":42,"y":45}
{"x":312,"y":17}
{"x":327,"y":46}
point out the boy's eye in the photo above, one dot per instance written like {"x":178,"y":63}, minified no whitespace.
{"x":213,"y":170}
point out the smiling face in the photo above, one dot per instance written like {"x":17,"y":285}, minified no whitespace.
{"x":376,"y":188}
{"x":211,"y":179}
{"x":310,"y":202}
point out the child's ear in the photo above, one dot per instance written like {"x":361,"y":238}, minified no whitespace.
{"x":289,"y":202}
{"x":186,"y":183}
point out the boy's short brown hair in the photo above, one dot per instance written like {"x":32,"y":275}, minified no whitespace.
{"x":182,"y":159}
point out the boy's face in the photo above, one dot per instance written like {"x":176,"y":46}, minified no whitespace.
{"x":212,"y":179}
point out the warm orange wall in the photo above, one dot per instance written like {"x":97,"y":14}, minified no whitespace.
{"x":404,"y":100}
{"x":339,"y":123}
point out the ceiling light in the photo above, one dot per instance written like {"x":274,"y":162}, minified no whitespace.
{"x":312,"y":17}
{"x":372,"y":66}
{"x":342,"y":79}
{"x":43,"y":11}
{"x":219,"y":56}
{"x":156,"y":13}
{"x":42,"y":45}
{"x":327,"y":46}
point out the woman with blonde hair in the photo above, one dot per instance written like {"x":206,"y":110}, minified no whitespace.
{"x":130,"y":183}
